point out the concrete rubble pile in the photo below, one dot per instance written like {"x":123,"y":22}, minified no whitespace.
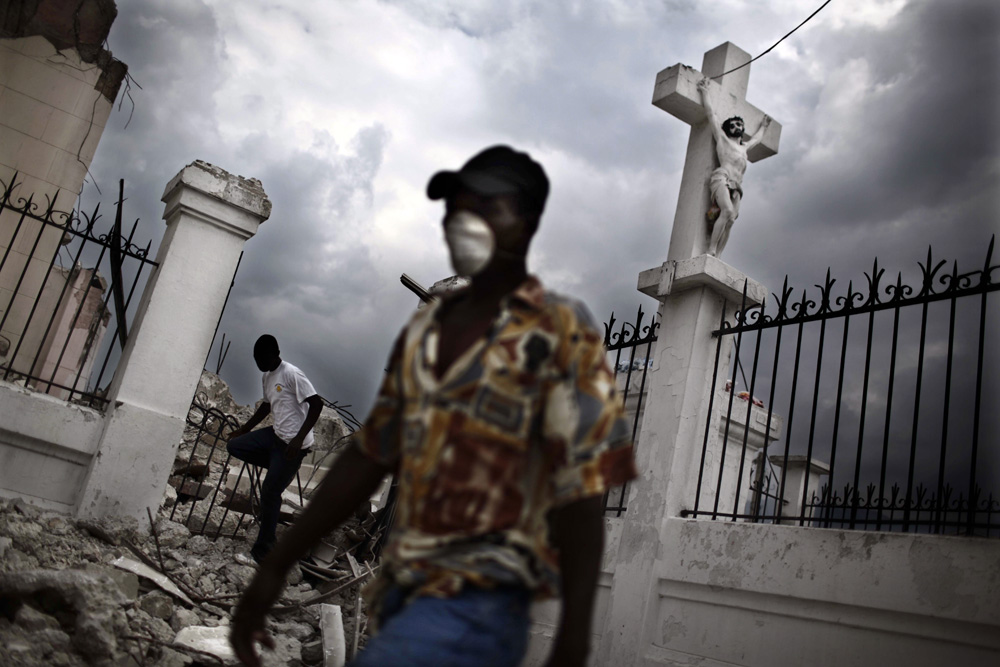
{"x":66,"y":597}
{"x":102,"y":592}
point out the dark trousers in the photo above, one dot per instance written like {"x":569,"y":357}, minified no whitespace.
{"x":265,"y":449}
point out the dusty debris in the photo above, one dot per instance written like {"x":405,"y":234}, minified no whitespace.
{"x":96,"y":591}
{"x":66,"y":600}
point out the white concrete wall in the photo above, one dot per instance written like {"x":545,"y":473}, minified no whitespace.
{"x":758,"y":594}
{"x":762,"y":595}
{"x":52,"y":117}
{"x":46,"y":446}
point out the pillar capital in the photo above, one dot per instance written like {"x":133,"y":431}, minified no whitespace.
{"x":674,"y":276}
{"x":214,"y":196}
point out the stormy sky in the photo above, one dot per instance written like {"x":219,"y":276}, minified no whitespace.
{"x":890,"y":113}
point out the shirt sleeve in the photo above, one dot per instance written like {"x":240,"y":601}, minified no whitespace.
{"x":584,"y":423}
{"x":379,"y":438}
{"x":303,"y":387}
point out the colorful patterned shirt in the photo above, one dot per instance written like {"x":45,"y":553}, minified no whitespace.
{"x":525,"y":420}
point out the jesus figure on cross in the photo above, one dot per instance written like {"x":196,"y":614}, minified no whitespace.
{"x":726,"y":182}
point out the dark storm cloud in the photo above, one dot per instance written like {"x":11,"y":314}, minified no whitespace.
{"x":888,"y":146}
{"x":926,"y":136}
{"x":308,"y":274}
{"x":175,"y":53}
{"x":909,"y":162}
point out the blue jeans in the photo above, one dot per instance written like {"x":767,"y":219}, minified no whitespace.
{"x":477,"y":628}
{"x":265,"y":449}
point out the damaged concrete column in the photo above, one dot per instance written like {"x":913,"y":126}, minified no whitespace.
{"x":210,"y":214}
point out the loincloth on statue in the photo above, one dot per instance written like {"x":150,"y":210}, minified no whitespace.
{"x":720,"y":179}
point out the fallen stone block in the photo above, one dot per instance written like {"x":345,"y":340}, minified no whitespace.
{"x":33,"y":620}
{"x":87,"y":604}
{"x":157,"y":605}
{"x":183,"y":618}
{"x":171,"y":534}
{"x":191,"y":489}
{"x":128,"y":582}
{"x":332,"y":628}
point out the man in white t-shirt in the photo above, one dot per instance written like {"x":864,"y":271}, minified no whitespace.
{"x":296,"y":406}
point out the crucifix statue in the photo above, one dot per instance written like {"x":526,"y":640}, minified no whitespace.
{"x":717,"y":152}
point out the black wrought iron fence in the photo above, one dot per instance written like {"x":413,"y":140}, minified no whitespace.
{"x":878,"y":410}
{"x":630,"y":350}
{"x":63,"y":284}
{"x":217,"y":494}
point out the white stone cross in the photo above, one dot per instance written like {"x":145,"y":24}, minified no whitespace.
{"x":676,"y":92}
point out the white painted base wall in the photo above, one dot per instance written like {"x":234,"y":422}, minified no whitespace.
{"x":46,"y":446}
{"x":761,"y":595}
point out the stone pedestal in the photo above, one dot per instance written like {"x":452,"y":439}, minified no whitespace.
{"x":802,"y":478}
{"x":694,"y":295}
{"x":737,"y":437}
{"x":210,"y":214}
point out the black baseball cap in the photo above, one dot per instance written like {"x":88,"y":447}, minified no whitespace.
{"x":498,"y":170}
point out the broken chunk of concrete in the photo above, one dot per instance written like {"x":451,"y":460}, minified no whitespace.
{"x":171,"y":534}
{"x":157,"y":605}
{"x":86,"y":603}
{"x":182,"y":618}
{"x":33,"y":620}
{"x":332,"y":628}
{"x":147,"y":572}
{"x":209,"y":640}
{"x":128,"y":582}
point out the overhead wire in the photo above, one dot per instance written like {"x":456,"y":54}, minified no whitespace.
{"x":776,"y":43}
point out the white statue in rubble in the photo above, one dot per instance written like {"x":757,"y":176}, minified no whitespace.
{"x":726,"y":182}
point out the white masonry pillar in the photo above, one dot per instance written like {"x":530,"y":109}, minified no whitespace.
{"x":210,"y":214}
{"x":693,"y":294}
{"x":694,"y":290}
{"x":801,"y":477}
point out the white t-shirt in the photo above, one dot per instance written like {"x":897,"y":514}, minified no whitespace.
{"x":286,"y":388}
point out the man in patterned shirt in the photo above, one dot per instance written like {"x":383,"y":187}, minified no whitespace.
{"x":499,"y":415}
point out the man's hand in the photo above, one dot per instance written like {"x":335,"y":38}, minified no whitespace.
{"x":248,"y":619}
{"x":293,"y":448}
{"x":703,"y":84}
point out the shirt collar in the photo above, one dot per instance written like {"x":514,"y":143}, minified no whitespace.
{"x":530,"y":293}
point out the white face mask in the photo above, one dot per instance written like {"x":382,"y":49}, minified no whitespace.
{"x":470,"y":242}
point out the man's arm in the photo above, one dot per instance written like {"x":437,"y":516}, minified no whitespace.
{"x":713,"y":119}
{"x":577,"y":531}
{"x":263,"y":410}
{"x":315,"y":408}
{"x":759,"y":134}
{"x":351,"y":480}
